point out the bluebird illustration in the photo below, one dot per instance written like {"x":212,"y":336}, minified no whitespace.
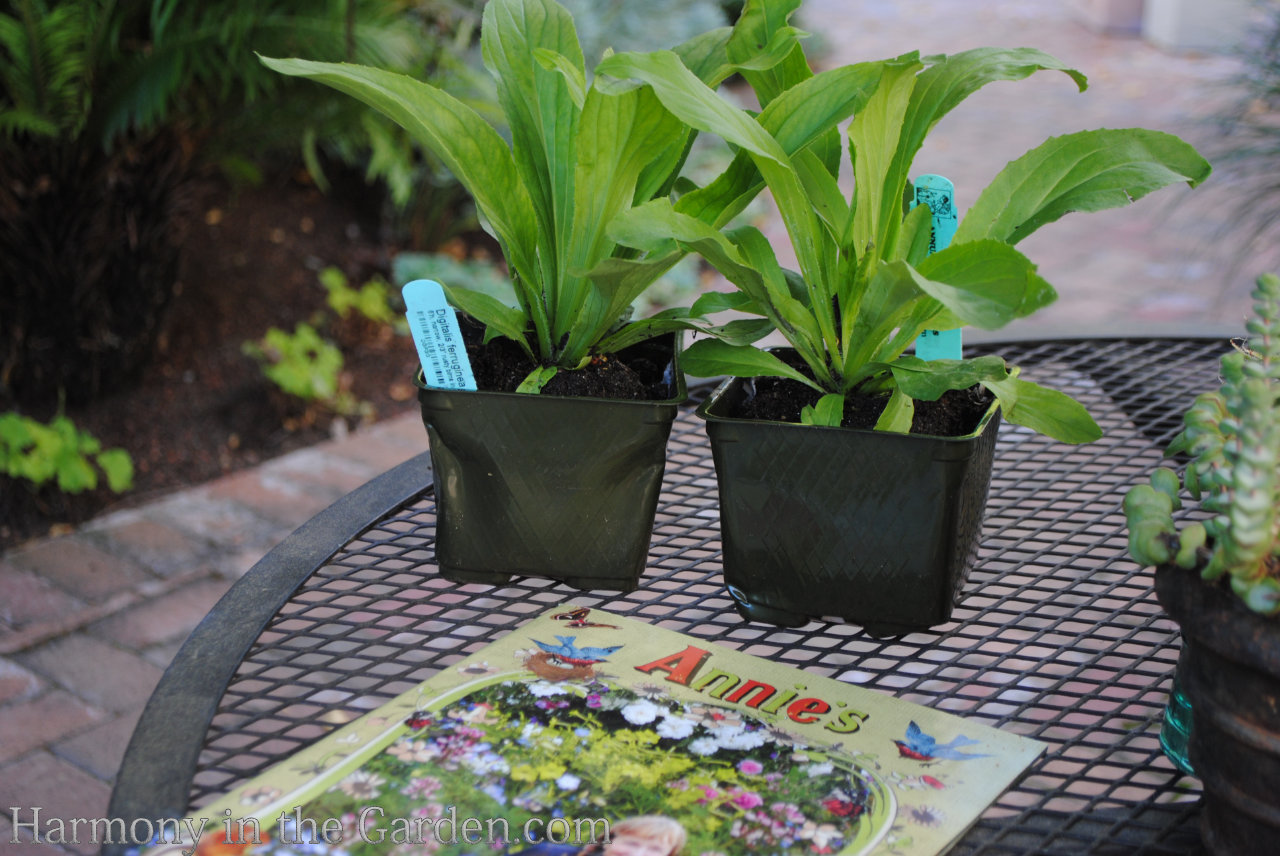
{"x":570,"y":653}
{"x":923,"y":747}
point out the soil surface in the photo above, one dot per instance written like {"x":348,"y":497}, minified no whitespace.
{"x":955,"y":414}
{"x":636,"y":373}
{"x":202,"y":408}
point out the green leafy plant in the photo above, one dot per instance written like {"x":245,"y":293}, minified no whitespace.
{"x":59,"y":452}
{"x":580,"y":153}
{"x":304,"y":365}
{"x":867,"y":284}
{"x":371,"y":300}
{"x":1233,"y":437}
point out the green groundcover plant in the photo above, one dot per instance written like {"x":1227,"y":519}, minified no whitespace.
{"x":60,"y":453}
{"x":581,"y":152}
{"x":867,"y":284}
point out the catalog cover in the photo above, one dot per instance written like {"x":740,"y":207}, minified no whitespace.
{"x":586,"y":733}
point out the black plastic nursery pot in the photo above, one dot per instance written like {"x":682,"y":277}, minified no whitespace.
{"x":549,"y":486}
{"x":876,"y":528}
{"x":1231,"y":671}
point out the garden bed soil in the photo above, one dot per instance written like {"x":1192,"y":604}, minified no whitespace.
{"x":201,"y":408}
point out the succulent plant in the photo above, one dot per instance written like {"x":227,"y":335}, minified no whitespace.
{"x":1233,"y":437}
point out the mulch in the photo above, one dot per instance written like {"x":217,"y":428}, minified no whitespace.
{"x":202,"y":408}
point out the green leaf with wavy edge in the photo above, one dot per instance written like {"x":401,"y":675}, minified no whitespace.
{"x":938,"y":87}
{"x":767,"y":24}
{"x":1085,"y":171}
{"x":1047,"y":411}
{"x":712,"y":358}
{"x":985,"y":283}
{"x":493,"y":313}
{"x":828,"y":412}
{"x":537,"y":379}
{"x":797,"y":118}
{"x":898,"y":414}
{"x":723,"y":301}
{"x":927,"y":380}
{"x":574,"y":76}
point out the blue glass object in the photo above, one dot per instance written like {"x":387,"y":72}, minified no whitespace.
{"x":1175,"y":733}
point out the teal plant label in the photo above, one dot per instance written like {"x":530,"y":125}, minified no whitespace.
{"x":436,"y":334}
{"x":940,"y":195}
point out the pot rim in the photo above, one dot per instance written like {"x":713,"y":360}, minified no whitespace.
{"x":704,"y":412}
{"x":681,"y":396}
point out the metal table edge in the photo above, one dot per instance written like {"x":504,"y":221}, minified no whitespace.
{"x":155,"y":776}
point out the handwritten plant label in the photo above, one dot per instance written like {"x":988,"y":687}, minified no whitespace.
{"x":436,"y":334}
{"x":940,"y":195}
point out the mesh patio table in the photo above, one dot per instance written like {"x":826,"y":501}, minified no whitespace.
{"x":1057,"y":635}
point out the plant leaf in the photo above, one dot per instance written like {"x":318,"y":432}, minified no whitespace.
{"x":706,"y":55}
{"x":913,"y":240}
{"x":700,"y":107}
{"x":618,"y":135}
{"x":741,"y":331}
{"x":1085,"y":171}
{"x":985,"y":283}
{"x":897,"y":414}
{"x":693,"y":101}
{"x":466,"y":144}
{"x":762,"y":32}
{"x":890,"y":296}
{"x":828,"y":412}
{"x":621,"y":281}
{"x":1047,"y":411}
{"x":540,"y":112}
{"x":797,"y":119}
{"x":712,"y":358}
{"x":573,"y":75}
{"x":118,"y":467}
{"x":493,"y":313}
{"x":927,"y":380}
{"x":537,"y":379}
{"x":723,"y":301}
{"x":873,"y":140}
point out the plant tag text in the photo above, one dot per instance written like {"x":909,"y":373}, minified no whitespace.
{"x":940,"y":195}
{"x":436,"y":334}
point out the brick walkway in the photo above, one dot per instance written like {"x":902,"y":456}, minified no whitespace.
{"x":88,"y":621}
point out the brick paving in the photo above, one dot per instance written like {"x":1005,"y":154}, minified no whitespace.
{"x":88,"y":620}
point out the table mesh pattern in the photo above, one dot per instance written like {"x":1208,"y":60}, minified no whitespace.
{"x":1057,"y":636}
